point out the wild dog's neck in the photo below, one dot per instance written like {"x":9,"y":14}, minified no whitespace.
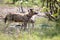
{"x":29,"y":16}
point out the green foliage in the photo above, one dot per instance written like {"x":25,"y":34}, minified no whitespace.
{"x":8,"y":1}
{"x":18,"y":3}
{"x":58,"y":0}
{"x":56,"y":14}
{"x":44,"y":9}
{"x":24,"y":2}
{"x":54,"y":8}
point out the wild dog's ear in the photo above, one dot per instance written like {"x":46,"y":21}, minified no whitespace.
{"x":30,"y":10}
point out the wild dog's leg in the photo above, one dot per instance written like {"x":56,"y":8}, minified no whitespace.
{"x":21,"y":25}
{"x":25,"y":25}
{"x":32,"y":25}
{"x":5,"y":28}
{"x":28,"y":25}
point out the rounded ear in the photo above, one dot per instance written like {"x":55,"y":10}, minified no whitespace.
{"x":28,"y":11}
{"x":31,"y":10}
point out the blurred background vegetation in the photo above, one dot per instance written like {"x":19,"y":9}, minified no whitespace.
{"x":45,"y":29}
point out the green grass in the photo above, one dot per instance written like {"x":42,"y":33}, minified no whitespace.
{"x":34,"y":34}
{"x":26,"y":36}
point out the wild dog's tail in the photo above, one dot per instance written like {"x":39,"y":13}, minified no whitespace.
{"x":5,"y":19}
